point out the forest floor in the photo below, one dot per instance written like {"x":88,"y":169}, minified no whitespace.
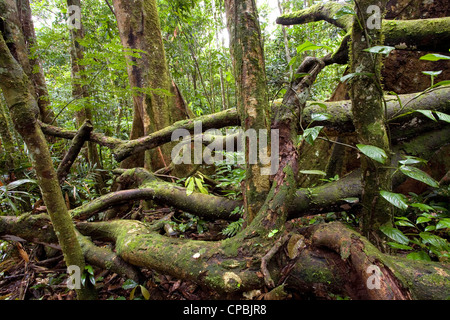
{"x":34,"y":272}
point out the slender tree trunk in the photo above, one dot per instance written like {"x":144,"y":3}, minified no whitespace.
{"x":252,"y":102}
{"x":37,"y":75}
{"x":24,"y":113}
{"x":369,"y":119}
{"x":81,"y":90}
{"x":286,"y":42}
{"x":6,"y":136}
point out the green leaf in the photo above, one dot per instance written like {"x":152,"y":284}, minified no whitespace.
{"x":380,"y":49}
{"x":441,"y":83}
{"x":434,"y":240}
{"x":373,"y":152}
{"x":89,"y":269}
{"x":443,"y":116}
{"x":427,"y":113}
{"x":272,"y":233}
{"x":403,"y":222}
{"x":351,"y":200}
{"x":432,"y":73}
{"x":129,"y":284}
{"x":412,"y":160}
{"x":310,"y":46}
{"x":422,"y":220}
{"x":320,"y":104}
{"x":443,"y":223}
{"x":419,"y":175}
{"x":320,"y":116}
{"x":318,"y":172}
{"x":396,"y":245}
{"x":200,"y":186}
{"x":395,"y":234}
{"x":344,"y":11}
{"x":145,"y":292}
{"x":311,"y":134}
{"x":396,"y":199}
{"x":18,"y":183}
{"x":434,"y":57}
{"x":291,"y":62}
{"x":190,"y":187}
{"x":422,"y":206}
{"x":421,"y":255}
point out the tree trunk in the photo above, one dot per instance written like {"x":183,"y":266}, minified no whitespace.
{"x":252,"y":100}
{"x":80,"y":90}
{"x":24,"y":112}
{"x":153,"y":94}
{"x":37,"y":75}
{"x":369,"y":119}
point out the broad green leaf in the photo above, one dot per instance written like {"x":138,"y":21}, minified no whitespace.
{"x":403,"y":222}
{"x":311,"y":134}
{"x":443,"y":223}
{"x":396,"y":199}
{"x":320,"y":104}
{"x":310,"y":46}
{"x":422,"y":220}
{"x":320,"y":116}
{"x":344,"y":11}
{"x":421,"y":255}
{"x":441,"y":83}
{"x":351,"y":200}
{"x":395,"y":234}
{"x":427,"y":113}
{"x":318,"y":172}
{"x":412,"y":160}
{"x":18,"y":183}
{"x":396,"y":245}
{"x":89,"y":269}
{"x":373,"y":152}
{"x":380,"y":49}
{"x":300,"y":75}
{"x":422,"y":206}
{"x":129,"y":284}
{"x":200,"y":186}
{"x":443,"y":116}
{"x":434,"y":240}
{"x":145,"y":292}
{"x":419,"y":175}
{"x":432,"y":73}
{"x":430,"y":228}
{"x":434,"y":57}
{"x":190,"y":187}
{"x":291,"y":62}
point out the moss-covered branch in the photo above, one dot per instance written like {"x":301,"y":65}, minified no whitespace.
{"x":164,"y":193}
{"x":421,"y":34}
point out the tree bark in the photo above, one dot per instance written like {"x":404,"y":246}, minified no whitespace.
{"x":252,"y":100}
{"x":153,"y":94}
{"x":423,"y":34}
{"x":37,"y":75}
{"x":370,"y":122}
{"x":24,"y":112}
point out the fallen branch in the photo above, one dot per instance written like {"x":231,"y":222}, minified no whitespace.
{"x":77,"y":143}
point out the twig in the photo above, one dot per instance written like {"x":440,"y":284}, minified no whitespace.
{"x":265,"y":260}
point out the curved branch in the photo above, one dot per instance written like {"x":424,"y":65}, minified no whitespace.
{"x":420,"y":34}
